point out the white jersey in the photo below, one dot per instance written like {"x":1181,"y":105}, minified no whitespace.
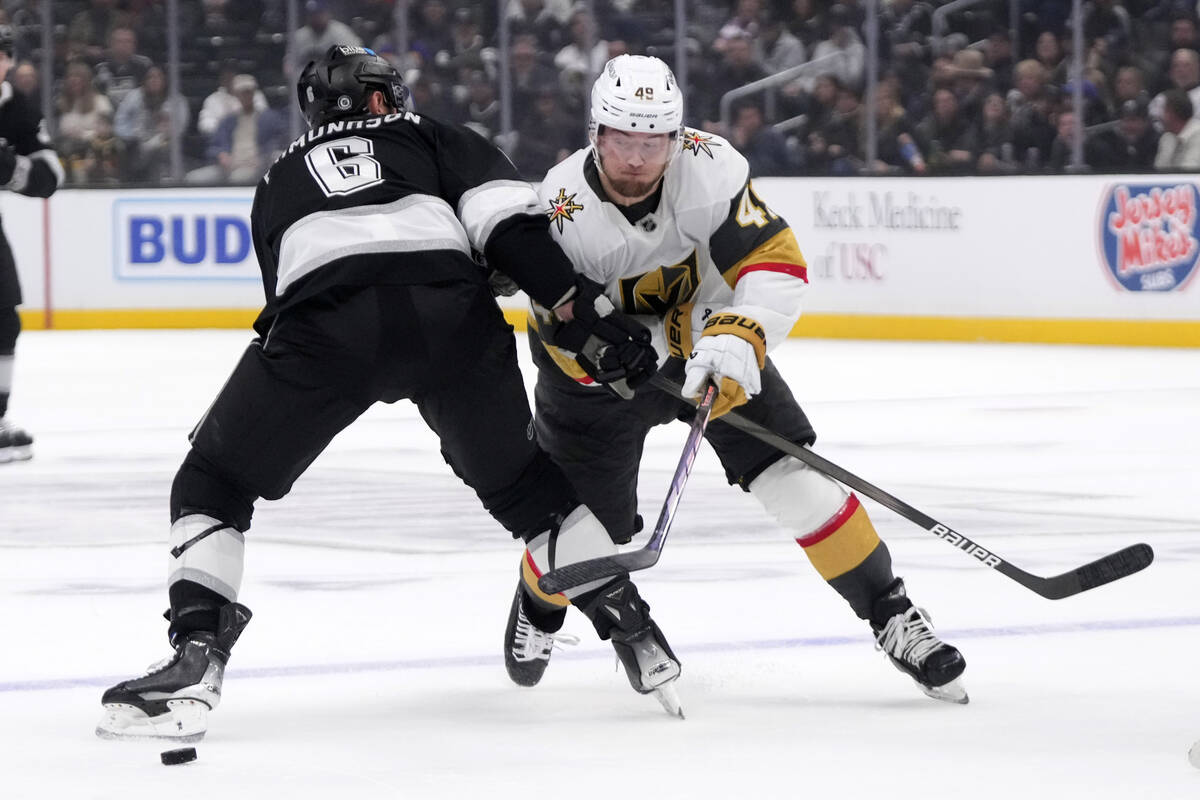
{"x":705,"y":243}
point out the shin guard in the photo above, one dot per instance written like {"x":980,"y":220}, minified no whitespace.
{"x":832,"y":527}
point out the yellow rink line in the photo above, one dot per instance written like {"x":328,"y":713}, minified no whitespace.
{"x":1137,"y":333}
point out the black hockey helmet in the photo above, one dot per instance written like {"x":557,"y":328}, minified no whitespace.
{"x":338,"y":84}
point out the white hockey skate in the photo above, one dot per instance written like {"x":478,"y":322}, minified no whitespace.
{"x":172,"y":700}
{"x":651,"y":666}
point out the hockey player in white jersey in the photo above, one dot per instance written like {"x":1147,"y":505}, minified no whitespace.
{"x":665,"y":220}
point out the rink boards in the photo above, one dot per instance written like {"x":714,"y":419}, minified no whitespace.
{"x":1079,"y":259}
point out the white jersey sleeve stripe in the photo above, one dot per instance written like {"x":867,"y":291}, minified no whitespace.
{"x":415,"y":222}
{"x":481,"y":209}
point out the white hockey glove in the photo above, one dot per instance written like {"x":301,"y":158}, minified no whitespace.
{"x":731,"y":353}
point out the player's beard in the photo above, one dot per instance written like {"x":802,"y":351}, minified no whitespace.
{"x":633,"y":187}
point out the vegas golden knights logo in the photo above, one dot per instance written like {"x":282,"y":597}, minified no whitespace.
{"x":660,"y":290}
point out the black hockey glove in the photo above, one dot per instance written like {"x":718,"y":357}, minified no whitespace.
{"x":8,"y":164}
{"x":501,"y":285}
{"x":613,"y":349}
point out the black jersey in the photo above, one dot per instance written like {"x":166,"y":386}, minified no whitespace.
{"x":395,"y":199}
{"x":38,"y":172}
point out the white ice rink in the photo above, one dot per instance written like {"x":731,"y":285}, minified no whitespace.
{"x":380,"y":588}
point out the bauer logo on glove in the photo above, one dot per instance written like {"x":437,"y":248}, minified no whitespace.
{"x":731,"y":353}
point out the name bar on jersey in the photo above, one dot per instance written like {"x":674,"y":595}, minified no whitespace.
{"x":342,"y":126}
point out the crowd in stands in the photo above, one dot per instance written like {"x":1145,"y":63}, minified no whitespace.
{"x":972,"y":97}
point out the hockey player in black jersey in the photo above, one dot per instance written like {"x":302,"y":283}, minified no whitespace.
{"x":28,"y":166}
{"x":364,"y":229}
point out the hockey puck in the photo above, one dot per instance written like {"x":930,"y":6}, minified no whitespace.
{"x":181,"y":756}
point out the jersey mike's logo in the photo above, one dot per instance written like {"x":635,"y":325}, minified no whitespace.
{"x":1150,"y":235}
{"x":562,"y":208}
{"x":660,"y":290}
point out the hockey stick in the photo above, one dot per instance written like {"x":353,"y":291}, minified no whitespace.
{"x":1111,"y":567}
{"x":581,"y":572}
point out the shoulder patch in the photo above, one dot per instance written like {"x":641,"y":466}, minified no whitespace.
{"x":562,"y":208}
{"x":696,"y":143}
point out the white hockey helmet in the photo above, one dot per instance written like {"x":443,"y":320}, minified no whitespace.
{"x":637,"y":94}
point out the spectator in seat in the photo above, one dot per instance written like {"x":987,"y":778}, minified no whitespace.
{"x":80,"y":108}
{"x":90,"y":27}
{"x":1048,"y":52}
{"x":1061,"y":152}
{"x":431,"y":33}
{"x":1179,"y":147}
{"x":244,"y":142}
{"x":1183,"y":36}
{"x":581,"y":60}
{"x":745,"y":22}
{"x":946,"y":137}
{"x":546,"y":20}
{"x":895,"y":148}
{"x":1030,"y":103}
{"x":124,"y":69}
{"x":1129,"y":84}
{"x":529,"y":75}
{"x":835,"y":147}
{"x":995,"y":137}
{"x":465,"y":53}
{"x":24,"y":79}
{"x":1185,"y":76}
{"x":763,"y":146}
{"x":145,"y":121}
{"x":546,"y":136}
{"x":844,"y":41}
{"x":222,"y":102}
{"x":319,"y":33}
{"x":781,"y":50}
{"x":737,"y":68}
{"x":1130,"y":146}
{"x":481,"y":111}
{"x":102,"y":161}
{"x":998,"y":55}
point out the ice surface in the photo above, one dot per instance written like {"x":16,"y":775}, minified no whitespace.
{"x":380,"y":589}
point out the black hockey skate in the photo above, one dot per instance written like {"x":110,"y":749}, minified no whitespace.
{"x":15,"y":444}
{"x":905,"y":634}
{"x":173,"y":698}
{"x":649,"y":662}
{"x":527,"y":647}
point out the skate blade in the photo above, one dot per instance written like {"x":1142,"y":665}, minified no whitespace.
{"x":186,"y":721}
{"x":952,"y":692}
{"x":669,"y":698}
{"x":8,"y":454}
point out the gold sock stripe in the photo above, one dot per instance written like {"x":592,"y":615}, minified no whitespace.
{"x":838,"y":548}
{"x":743,"y":328}
{"x":530,"y":574}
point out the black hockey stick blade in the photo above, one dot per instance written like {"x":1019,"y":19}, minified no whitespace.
{"x":1111,"y":567}
{"x":581,"y":572}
